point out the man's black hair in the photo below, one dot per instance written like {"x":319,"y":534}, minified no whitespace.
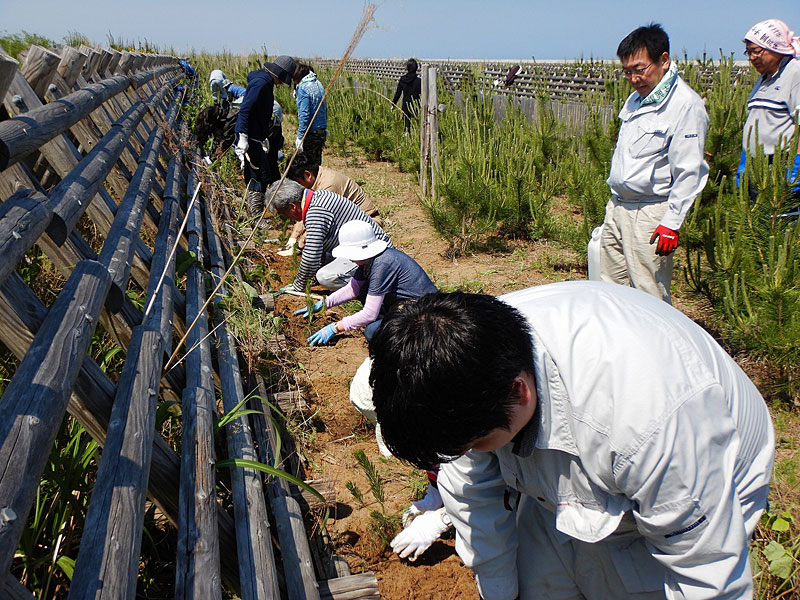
{"x":653,"y":37}
{"x":411,"y":65}
{"x":442,"y":373}
{"x":300,"y":165}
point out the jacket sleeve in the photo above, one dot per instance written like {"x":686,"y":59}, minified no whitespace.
{"x":250,"y":98}
{"x":237,"y":90}
{"x":472,"y":489}
{"x":303,"y":111}
{"x":397,"y":93}
{"x":687,"y":507}
{"x":687,"y":165}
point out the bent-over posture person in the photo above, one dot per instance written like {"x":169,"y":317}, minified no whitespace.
{"x":315,"y":177}
{"x":323,"y":213}
{"x":384,"y":276}
{"x":598,"y":443}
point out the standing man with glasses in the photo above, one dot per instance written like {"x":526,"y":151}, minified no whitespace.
{"x":657,"y":169}
{"x":773,"y":107}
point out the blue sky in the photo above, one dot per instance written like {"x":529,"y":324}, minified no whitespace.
{"x":427,"y":29}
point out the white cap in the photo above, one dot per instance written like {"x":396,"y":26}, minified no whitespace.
{"x":357,"y":241}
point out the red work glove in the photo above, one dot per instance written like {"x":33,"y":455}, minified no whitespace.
{"x":667,"y":240}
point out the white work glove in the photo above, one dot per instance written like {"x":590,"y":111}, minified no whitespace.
{"x":423,"y":531}
{"x":298,"y":143}
{"x":265,"y":146}
{"x":241,"y":148}
{"x":288,"y":250}
{"x":431,"y":501}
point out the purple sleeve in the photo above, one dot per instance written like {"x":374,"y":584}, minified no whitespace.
{"x":342,"y":295}
{"x":368,"y":314}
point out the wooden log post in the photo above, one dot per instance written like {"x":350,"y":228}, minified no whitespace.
{"x":38,"y":68}
{"x":21,"y":136}
{"x":111,"y":67}
{"x":36,"y":398}
{"x":105,"y":59}
{"x":70,"y":66}
{"x":108,"y":561}
{"x":14,"y":590}
{"x":363,"y":586}
{"x":198,"y":560}
{"x":423,"y":132}
{"x":433,"y":127}
{"x":23,"y":218}
{"x":8,"y":67}
{"x":21,"y":316}
{"x":256,"y":557}
{"x":72,"y":195}
{"x":118,"y":249}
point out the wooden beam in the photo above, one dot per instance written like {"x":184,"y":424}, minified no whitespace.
{"x":36,"y":398}
{"x":38,"y":68}
{"x":8,"y":66}
{"x":23,"y":218}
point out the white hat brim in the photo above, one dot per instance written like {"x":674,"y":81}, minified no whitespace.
{"x":360,"y":252}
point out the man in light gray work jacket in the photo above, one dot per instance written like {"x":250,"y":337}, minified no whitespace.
{"x":597,"y":444}
{"x":657,"y":169}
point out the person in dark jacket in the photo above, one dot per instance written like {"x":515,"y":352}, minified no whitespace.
{"x":254,"y":126}
{"x":409,"y":86}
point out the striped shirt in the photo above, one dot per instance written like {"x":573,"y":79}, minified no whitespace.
{"x":326,"y":213}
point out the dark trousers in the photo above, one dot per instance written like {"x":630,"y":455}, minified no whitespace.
{"x":313,"y":144}
{"x":256,"y":171}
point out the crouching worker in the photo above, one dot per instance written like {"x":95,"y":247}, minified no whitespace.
{"x":598,"y":443}
{"x":384,"y":276}
{"x":323,"y":213}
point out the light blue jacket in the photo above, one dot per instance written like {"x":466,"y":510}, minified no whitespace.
{"x":309,"y":95}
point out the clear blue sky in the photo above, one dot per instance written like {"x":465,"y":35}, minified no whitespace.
{"x":423,"y":28}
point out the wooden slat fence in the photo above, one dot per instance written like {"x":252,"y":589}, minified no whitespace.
{"x":566,"y":85}
{"x":91,"y":139}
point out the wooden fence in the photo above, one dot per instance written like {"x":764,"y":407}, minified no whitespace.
{"x":92,"y":138}
{"x":566,"y":85}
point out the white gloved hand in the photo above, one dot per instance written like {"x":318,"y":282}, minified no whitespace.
{"x":241,"y":148}
{"x":288,"y":250}
{"x":298,"y":143}
{"x":265,"y":146}
{"x":423,"y":531}
{"x":431,"y":501}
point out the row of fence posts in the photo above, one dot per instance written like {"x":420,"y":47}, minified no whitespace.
{"x":117,"y":127}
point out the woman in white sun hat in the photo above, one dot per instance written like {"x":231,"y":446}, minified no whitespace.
{"x":384,"y":277}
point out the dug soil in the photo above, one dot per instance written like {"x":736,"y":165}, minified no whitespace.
{"x":335,"y":430}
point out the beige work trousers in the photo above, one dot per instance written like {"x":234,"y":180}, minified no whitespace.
{"x":626,"y":255}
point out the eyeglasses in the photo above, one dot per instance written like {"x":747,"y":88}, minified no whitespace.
{"x":754,"y":53}
{"x":628,"y":73}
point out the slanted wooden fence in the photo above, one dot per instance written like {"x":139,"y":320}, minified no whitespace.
{"x":93,"y":138}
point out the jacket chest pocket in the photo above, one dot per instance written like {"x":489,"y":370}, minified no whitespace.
{"x":649,"y":139}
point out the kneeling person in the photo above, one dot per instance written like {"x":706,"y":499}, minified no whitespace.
{"x":323,"y":213}
{"x":384,"y":276}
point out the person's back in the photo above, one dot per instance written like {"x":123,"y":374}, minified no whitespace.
{"x":410,"y":87}
{"x":339,"y":183}
{"x":255,"y":114}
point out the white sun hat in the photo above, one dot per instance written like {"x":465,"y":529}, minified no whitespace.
{"x":357,"y":241}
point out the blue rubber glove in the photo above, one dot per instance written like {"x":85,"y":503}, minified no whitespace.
{"x":303,"y":312}
{"x":740,"y":169}
{"x":322,"y":337}
{"x":287,"y":288}
{"x":791,"y":174}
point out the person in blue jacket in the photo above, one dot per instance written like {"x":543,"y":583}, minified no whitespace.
{"x":223,"y":88}
{"x":254,"y":125}
{"x":311,"y":130}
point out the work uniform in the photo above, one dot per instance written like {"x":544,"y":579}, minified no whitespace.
{"x":255,"y":120}
{"x":657,"y":171}
{"x":643,"y":472}
{"x":773,"y":107}
{"x":310,"y":100}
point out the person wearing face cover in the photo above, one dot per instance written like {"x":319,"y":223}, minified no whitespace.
{"x":773,"y":107}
